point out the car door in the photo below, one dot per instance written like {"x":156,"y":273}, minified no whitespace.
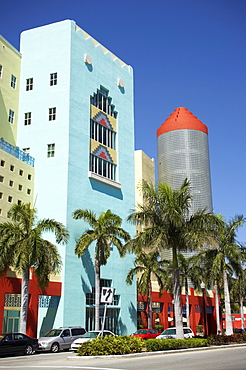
{"x":7,"y":346}
{"x":152,"y":334}
{"x":20,"y":342}
{"x":66,"y":339}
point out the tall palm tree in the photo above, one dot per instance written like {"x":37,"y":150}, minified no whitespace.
{"x":238,"y":293}
{"x":147,"y":266}
{"x":224,"y":259}
{"x":165,"y":214}
{"x":188,"y":272}
{"x":105,"y":229}
{"x":22,"y":247}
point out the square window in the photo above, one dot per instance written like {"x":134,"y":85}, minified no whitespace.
{"x":11,"y":116}
{"x":50,"y":150}
{"x":10,"y":199}
{"x":1,"y":71}
{"x":1,"y":178}
{"x":21,"y":172}
{"x":26,"y":150}
{"x":20,"y":187}
{"x":28,"y":191}
{"x":2,"y":163}
{"x":28,"y":118}
{"x":13,"y":81}
{"x":29,"y":177}
{"x":29,"y":84}
{"x":12,"y":168}
{"x":52,"y":114}
{"x":53,"y":79}
{"x":19,"y":201}
{"x":11,"y":182}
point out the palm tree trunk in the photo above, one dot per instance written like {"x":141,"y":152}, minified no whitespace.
{"x":97,"y":293}
{"x":24,"y":299}
{"x":187,"y":303}
{"x":242,"y":312}
{"x":176,"y":297}
{"x":229,"y":330}
{"x":217,"y":310}
{"x":150,"y":307}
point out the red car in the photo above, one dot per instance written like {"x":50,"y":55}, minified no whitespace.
{"x":145,"y":333}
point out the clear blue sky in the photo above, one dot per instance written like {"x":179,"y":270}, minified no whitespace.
{"x":188,"y":53}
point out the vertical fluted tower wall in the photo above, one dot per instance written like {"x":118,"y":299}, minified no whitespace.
{"x":183,"y":153}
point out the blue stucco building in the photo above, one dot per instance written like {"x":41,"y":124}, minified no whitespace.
{"x":76,"y":118}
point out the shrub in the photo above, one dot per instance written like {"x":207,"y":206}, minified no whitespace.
{"x":168,"y":344}
{"x":226,"y":339}
{"x":111,"y":345}
{"x":159,"y":328}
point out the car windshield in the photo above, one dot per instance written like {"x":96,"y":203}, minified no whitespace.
{"x":91,"y":334}
{"x":141,"y":332}
{"x":169,"y":332}
{"x":53,"y":333}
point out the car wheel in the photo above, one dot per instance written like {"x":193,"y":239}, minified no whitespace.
{"x":28,"y":350}
{"x":55,"y":347}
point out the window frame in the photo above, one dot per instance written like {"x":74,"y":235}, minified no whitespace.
{"x":27,"y":118}
{"x":53,"y":79}
{"x":29,"y":84}
{"x":11,"y":116}
{"x":13,"y":81}
{"x":52,"y":114}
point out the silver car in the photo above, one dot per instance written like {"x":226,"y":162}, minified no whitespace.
{"x":59,"y":339}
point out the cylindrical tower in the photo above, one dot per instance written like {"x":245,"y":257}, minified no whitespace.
{"x":183,"y":153}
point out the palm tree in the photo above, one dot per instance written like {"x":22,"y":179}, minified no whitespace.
{"x":22,"y":247}
{"x":224,"y":259}
{"x":188,"y":271}
{"x":105,"y":229}
{"x":168,"y":225}
{"x":238,"y":292}
{"x":147,"y":266}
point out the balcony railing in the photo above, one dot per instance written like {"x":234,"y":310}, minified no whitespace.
{"x":16,"y":152}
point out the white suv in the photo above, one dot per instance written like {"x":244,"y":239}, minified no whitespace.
{"x":59,"y":339}
{"x":171,"y":333}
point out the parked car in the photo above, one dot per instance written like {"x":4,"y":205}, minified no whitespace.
{"x":171,"y":333}
{"x":146,"y":333}
{"x":90,"y":335}
{"x":17,"y":343}
{"x":59,"y":339}
{"x":239,"y":331}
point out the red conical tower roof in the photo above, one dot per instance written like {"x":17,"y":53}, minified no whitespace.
{"x":181,"y":119}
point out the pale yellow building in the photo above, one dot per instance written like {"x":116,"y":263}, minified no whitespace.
{"x":10,"y":65}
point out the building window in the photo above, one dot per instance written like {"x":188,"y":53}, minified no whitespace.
{"x":11,"y":183}
{"x":20,"y":187}
{"x":28,"y":118}
{"x":29,"y":176}
{"x":102,"y":167}
{"x":12,"y":168}
{"x":19,"y":201}
{"x":28,"y":191}
{"x":10,"y":199}
{"x":13,"y":81}
{"x":53,"y":79}
{"x":21,"y":172}
{"x":11,"y":116}
{"x":1,"y":195}
{"x":50,"y":150}
{"x":1,"y":71}
{"x":1,"y":178}
{"x":52,"y":114}
{"x":102,"y":101}
{"x":102,"y":134}
{"x":2,"y":163}
{"x":29,"y":84}
{"x":0,"y":211}
{"x":26,"y":150}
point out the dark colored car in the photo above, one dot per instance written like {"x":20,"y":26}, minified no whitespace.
{"x":17,"y":343}
{"x":239,"y":331}
{"x":145,"y":333}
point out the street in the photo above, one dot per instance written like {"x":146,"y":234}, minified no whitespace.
{"x":230,"y":358}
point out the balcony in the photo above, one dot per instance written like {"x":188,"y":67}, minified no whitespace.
{"x":16,"y":152}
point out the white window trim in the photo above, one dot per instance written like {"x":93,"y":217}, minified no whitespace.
{"x":105,"y":180}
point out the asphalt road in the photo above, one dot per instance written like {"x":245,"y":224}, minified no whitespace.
{"x":229,"y":358}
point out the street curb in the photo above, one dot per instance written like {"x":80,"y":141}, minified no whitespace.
{"x":143,"y":354}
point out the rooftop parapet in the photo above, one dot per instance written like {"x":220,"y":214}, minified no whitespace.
{"x":16,"y":152}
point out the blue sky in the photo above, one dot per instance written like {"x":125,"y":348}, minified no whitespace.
{"x":185,"y":53}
